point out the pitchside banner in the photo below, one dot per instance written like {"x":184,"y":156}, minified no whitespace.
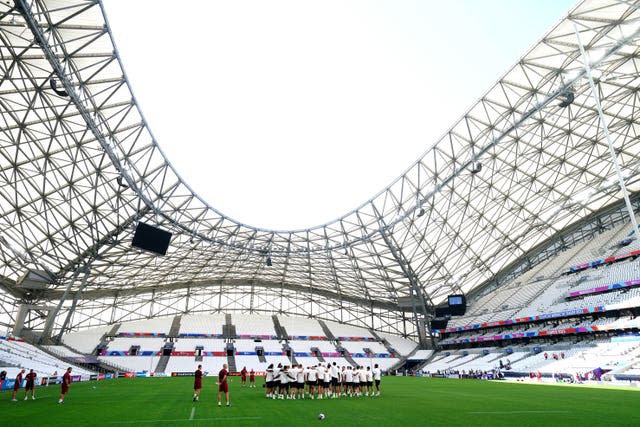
{"x":183,"y":374}
{"x":50,"y":380}
{"x":99,"y":377}
{"x":8,"y":384}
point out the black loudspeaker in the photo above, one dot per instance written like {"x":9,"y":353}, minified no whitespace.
{"x":442,"y":311}
{"x":151,"y":238}
{"x":457,"y":304}
{"x":439,"y":323}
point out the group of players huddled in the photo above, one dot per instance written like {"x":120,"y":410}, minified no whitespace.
{"x":323,"y":380}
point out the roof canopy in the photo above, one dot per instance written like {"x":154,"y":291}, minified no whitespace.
{"x":79,"y":168}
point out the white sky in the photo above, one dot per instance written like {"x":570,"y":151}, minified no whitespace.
{"x":289,"y":114}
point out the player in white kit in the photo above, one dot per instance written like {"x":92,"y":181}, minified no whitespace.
{"x":327,"y":382}
{"x":356,"y":381}
{"x":369,"y":381}
{"x":335,"y":380}
{"x":312,"y":380}
{"x":268,"y":379}
{"x":300,"y":382}
{"x":320,"y":376}
{"x":348,"y":377}
{"x":377,"y":373}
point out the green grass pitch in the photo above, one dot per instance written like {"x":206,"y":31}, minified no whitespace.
{"x":405,"y":401}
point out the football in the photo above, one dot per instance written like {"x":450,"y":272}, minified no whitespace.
{"x":321,"y":416}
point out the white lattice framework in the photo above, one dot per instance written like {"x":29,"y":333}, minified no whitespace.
{"x":79,"y":167}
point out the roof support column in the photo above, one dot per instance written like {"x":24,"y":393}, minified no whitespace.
{"x":48,"y":326}
{"x":415,"y":288}
{"x":607,"y":135}
{"x":415,"y":291}
{"x":73,"y":305}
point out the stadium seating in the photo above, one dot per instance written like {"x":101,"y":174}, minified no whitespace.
{"x":558,"y":306}
{"x":301,"y":327}
{"x":359,"y":346}
{"x":252,"y":362}
{"x":307,"y":361}
{"x":304,"y":346}
{"x":210,"y":364}
{"x":243,"y":345}
{"x":157,"y":326}
{"x":87,"y":340}
{"x":62,"y":351}
{"x":421,"y":355}
{"x":19,"y":354}
{"x":272,"y":346}
{"x":383,"y":364}
{"x":253,"y":325}
{"x":132,"y":363}
{"x":146,"y":344}
{"x":190,"y":344}
{"x":202,"y":324}
{"x":341,"y":331}
{"x":401,"y":345}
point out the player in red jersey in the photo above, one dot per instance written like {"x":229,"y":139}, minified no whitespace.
{"x":252,"y":378}
{"x":243,"y":377}
{"x":16,"y":385}
{"x":223,"y":386}
{"x":31,"y":385}
{"x":197,"y":384}
{"x":3,"y":377}
{"x":66,"y":382}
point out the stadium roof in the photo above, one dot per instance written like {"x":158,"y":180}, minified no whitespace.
{"x":79,"y":168}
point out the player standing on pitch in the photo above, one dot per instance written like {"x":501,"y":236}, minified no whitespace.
{"x":31,"y":385}
{"x":377,"y":373}
{"x":16,"y":385}
{"x":252,"y":378}
{"x":243,"y":376}
{"x":66,"y":382}
{"x":223,"y":386}
{"x":197,"y":384}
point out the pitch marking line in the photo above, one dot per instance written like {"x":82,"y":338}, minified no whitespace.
{"x":520,"y":412}
{"x":182,"y":419}
{"x":193,"y":411}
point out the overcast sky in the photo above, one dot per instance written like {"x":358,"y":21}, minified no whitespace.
{"x":289,"y":114}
